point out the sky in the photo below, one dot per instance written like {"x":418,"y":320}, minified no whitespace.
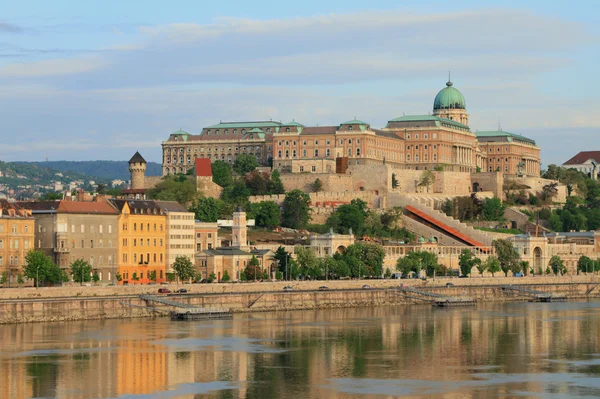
{"x":102,"y":79}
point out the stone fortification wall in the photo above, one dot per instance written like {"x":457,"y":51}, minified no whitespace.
{"x":303,"y":181}
{"x":266,"y":297}
{"x":537,"y":184}
{"x":151,"y":181}
{"x":205,"y":185}
{"x":317,"y":199}
{"x":488,"y":181}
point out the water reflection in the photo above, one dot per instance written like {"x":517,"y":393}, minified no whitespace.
{"x":529,"y":350}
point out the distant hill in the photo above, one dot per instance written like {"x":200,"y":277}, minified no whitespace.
{"x":108,"y":170}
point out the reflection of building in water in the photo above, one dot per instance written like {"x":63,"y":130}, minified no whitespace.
{"x":141,"y":367}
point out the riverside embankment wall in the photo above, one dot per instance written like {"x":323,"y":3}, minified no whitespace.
{"x":113,"y":302}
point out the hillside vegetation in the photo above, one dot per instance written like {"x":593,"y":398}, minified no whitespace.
{"x":107,"y":170}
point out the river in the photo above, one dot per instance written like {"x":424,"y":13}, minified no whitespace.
{"x":505,"y":350}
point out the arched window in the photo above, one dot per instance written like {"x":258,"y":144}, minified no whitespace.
{"x":358,"y":152}
{"x":287,"y":130}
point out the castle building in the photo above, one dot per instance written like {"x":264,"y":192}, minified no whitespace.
{"x":442,"y":139}
{"x":17,"y":228}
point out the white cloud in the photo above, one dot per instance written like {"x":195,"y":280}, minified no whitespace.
{"x":52,"y":67}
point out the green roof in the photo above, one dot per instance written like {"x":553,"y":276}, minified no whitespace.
{"x":181,"y":132}
{"x":355,"y":122}
{"x":508,"y":135}
{"x":449,"y":98}
{"x":429,"y":118}
{"x":240,"y":125}
{"x":255,"y":130}
{"x":293,"y":123}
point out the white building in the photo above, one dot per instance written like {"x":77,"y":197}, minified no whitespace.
{"x":585,"y":162}
{"x":181,"y":239}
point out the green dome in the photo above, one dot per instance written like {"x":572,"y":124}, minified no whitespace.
{"x":449,"y":98}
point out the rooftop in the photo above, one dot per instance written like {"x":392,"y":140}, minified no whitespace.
{"x":241,"y":125}
{"x":434,"y":120}
{"x":508,"y":135}
{"x":137,"y":158}
{"x":584,"y":156}
{"x":89,"y":208}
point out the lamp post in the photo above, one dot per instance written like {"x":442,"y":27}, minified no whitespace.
{"x":287,"y":275}
{"x":37,"y":277}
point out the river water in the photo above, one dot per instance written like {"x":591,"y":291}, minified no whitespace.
{"x":525,"y":350}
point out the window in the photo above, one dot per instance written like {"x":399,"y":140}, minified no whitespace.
{"x":301,"y":168}
{"x":82,"y":228}
{"x":14,"y":228}
{"x":416,"y":136}
{"x":349,"y":152}
{"x":408,"y":157}
{"x":350,"y":127}
{"x":425,"y":136}
{"x":316,"y":142}
{"x":287,"y":130}
{"x":135,"y":242}
{"x":26,"y":228}
{"x":293,"y":153}
{"x":435,"y":146}
{"x":314,"y":168}
{"x":434,"y":135}
{"x":349,"y":141}
{"x":408,"y":136}
{"x":1,"y":244}
{"x":304,"y":153}
{"x":328,"y":152}
{"x":358,"y":152}
{"x":109,"y":228}
{"x":91,"y":243}
{"x":134,"y":227}
{"x":279,"y":154}
{"x":357,"y":141}
{"x":316,"y":152}
{"x":287,"y":153}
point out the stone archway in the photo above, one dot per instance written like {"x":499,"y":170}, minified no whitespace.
{"x":537,"y":259}
{"x":341,"y":249}
{"x":476,"y":187}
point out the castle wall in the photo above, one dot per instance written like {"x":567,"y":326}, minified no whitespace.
{"x":489,"y":181}
{"x":151,"y":181}
{"x":209,"y":188}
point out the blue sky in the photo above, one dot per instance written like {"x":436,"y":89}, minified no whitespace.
{"x":102,"y":79}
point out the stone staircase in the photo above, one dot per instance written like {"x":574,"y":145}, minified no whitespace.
{"x":401,"y":200}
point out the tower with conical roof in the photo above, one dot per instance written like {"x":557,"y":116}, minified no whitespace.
{"x":450,"y":104}
{"x":137,"y":170}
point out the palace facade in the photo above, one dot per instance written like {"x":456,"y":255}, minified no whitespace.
{"x":442,"y":139}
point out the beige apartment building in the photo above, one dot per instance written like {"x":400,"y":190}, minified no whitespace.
{"x":68,"y":230}
{"x":180,"y":231}
{"x":16,"y":238}
{"x":206,"y":236}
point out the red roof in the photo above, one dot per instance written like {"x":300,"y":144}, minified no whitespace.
{"x":584,"y":156}
{"x":94,"y":208}
{"x":203,"y":167}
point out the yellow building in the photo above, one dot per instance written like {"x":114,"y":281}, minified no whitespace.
{"x":17,"y":229}
{"x":142,"y":241}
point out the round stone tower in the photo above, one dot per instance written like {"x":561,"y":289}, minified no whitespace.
{"x":137,"y":169}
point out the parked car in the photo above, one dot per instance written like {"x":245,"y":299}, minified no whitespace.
{"x":164,"y":291}
{"x":366,"y":287}
{"x":449,"y":285}
{"x":181,"y":291}
{"x":520,"y":274}
{"x":288,"y":288}
{"x":323,"y":288}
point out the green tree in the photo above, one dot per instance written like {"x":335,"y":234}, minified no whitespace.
{"x":52,"y":196}
{"x":283,"y":257}
{"x":427,"y":179}
{"x":492,"y":265}
{"x":524,"y":267}
{"x":257,"y":182}
{"x":364,"y":260}
{"x":174,"y":188}
{"x":585,"y":264}
{"x":275,"y":186}
{"x":135,"y":277}
{"x":467,"y":261}
{"x":253,"y":271}
{"x":268,"y":214}
{"x":81,"y":271}
{"x":207,"y":209}
{"x":3,"y":278}
{"x":347,"y":217}
{"x":557,"y":265}
{"x":388,"y":273}
{"x":40,"y":266}
{"x":507,"y":255}
{"x":171,"y":277}
{"x":184,"y":268}
{"x":211,"y":277}
{"x":481,"y":267}
{"x":20,"y":279}
{"x":118,"y":276}
{"x":492,"y":209}
{"x":317,"y":185}
{"x":237,"y":193}
{"x":296,"y":208}
{"x":152,"y":275}
{"x":409,"y":263}
{"x":226,"y":278}
{"x":95,"y":277}
{"x":309,"y":264}
{"x":222,"y":173}
{"x":278,"y":275}
{"x":245,"y":163}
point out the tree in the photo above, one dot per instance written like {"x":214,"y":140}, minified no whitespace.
{"x":253,"y":270}
{"x":222,"y":173}
{"x":207,"y":209}
{"x":467,"y":261}
{"x":257,"y":182}
{"x":347,"y":217}
{"x":118,"y":276}
{"x":296,"y":208}
{"x":237,"y":193}
{"x":268,"y":214}
{"x":95,"y":277}
{"x":245,"y":163}
{"x":481,"y":268}
{"x":557,"y":265}
{"x":524,"y":267}
{"x":317,"y":185}
{"x":275,"y":186}
{"x":174,"y":188}
{"x":549,"y":191}
{"x":3,"y":278}
{"x":283,"y":257}
{"x":388,"y":273}
{"x":81,"y":271}
{"x":40,"y":268}
{"x":492,"y":265}
{"x":225,"y":277}
{"x":492,"y":209}
{"x":52,"y":196}
{"x":308,"y":262}
{"x":184,"y":268}
{"x":507,"y":255}
{"x":409,"y":263}
{"x":135,"y":277}
{"x":278,"y":275}
{"x":20,"y":279}
{"x":152,"y":275}
{"x":585,"y":264}
{"x":395,"y":183}
{"x":211,"y":277}
{"x":427,"y":179}
{"x":171,"y":277}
